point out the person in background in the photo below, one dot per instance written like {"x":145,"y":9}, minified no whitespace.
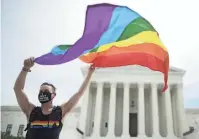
{"x":45,"y":121}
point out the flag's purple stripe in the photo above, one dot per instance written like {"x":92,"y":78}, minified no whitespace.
{"x":97,"y":21}
{"x":120,"y":19}
{"x":98,"y":18}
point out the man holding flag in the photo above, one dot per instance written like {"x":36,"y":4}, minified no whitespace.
{"x":45,"y":122}
{"x":113,"y":36}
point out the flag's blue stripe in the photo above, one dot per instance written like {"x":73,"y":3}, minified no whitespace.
{"x":121,"y":17}
{"x":43,"y":126}
{"x":57,"y":51}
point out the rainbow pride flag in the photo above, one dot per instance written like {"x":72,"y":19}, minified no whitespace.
{"x":44,"y":124}
{"x":114,"y":36}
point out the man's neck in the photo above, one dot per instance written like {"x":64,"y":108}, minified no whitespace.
{"x":47,"y":106}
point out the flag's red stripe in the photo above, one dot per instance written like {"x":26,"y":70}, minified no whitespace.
{"x":135,"y":59}
{"x":117,"y":57}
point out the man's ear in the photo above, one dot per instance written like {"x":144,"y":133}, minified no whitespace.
{"x":54,"y":94}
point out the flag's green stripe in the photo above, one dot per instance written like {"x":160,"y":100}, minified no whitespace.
{"x":135,"y":27}
{"x":138,"y":25}
{"x":64,"y":47}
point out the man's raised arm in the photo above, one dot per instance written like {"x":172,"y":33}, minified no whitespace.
{"x":22,"y":99}
{"x":66,"y":107}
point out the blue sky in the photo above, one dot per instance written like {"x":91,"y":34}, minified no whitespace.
{"x":32,"y":28}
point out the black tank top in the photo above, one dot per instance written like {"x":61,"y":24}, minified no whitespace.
{"x":42,"y":126}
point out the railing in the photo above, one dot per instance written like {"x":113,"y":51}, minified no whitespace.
{"x":79,"y":131}
{"x":191,"y":130}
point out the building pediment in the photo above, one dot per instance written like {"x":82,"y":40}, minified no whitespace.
{"x":133,"y":69}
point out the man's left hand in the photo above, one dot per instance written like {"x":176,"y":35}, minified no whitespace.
{"x":91,"y":69}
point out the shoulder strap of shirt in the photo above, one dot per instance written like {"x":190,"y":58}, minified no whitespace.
{"x":32,"y":117}
{"x":33,"y":114}
{"x":58,"y":111}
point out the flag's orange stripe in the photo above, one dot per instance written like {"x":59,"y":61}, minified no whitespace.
{"x":157,"y":60}
{"x":147,"y":48}
{"x":44,"y":123}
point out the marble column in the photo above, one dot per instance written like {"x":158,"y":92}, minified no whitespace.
{"x":169,"y":116}
{"x":155,"y":114}
{"x":98,"y":110}
{"x":112,"y":107}
{"x":84,"y":110}
{"x":141,"y":111}
{"x":126,"y":111}
{"x":180,"y":109}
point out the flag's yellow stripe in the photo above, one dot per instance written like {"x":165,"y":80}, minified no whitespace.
{"x":143,"y":37}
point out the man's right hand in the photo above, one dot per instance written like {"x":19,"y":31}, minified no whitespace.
{"x":29,"y":63}
{"x":22,"y":99}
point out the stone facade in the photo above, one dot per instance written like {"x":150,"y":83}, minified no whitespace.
{"x":12,"y":115}
{"x":107,"y":110}
{"x":124,"y":102}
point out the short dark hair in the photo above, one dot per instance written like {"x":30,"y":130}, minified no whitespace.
{"x":49,"y":84}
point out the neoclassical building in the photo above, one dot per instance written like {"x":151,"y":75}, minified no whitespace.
{"x":123,"y":103}
{"x":127,"y":102}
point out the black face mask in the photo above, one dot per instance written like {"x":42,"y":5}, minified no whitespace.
{"x":44,"y":97}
